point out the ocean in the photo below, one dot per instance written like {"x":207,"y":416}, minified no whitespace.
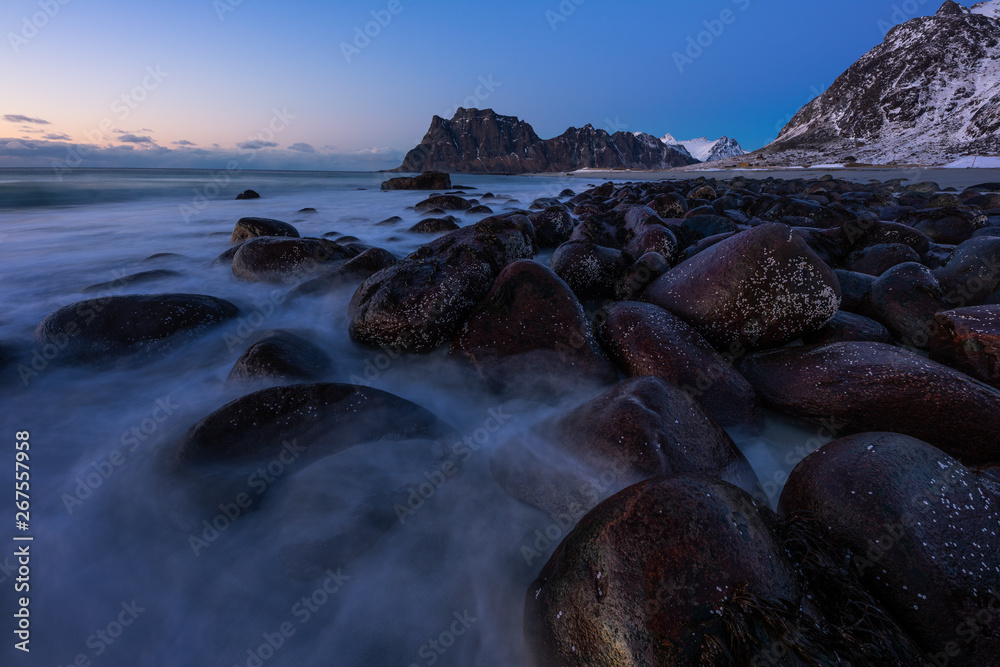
{"x":115,"y":581}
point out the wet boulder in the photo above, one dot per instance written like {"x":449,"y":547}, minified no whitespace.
{"x":646,"y":340}
{"x":947,"y":225}
{"x":553,"y":226}
{"x":444,"y":203}
{"x":689,"y":571}
{"x":354,"y":270}
{"x":855,"y":290}
{"x":760,"y":288}
{"x":429,"y":180}
{"x":877,"y":259}
{"x":644,"y":271}
{"x":251,"y":228}
{"x":847,"y":326}
{"x":270,"y":259}
{"x":642,"y":428}
{"x":922,"y":528}
{"x":591,"y":270}
{"x":281,"y":356}
{"x":421,"y":302}
{"x":905,"y":299}
{"x":972,"y":273}
{"x":530,"y":334}
{"x":124,"y":282}
{"x":248,"y":194}
{"x":653,"y":238}
{"x":969,"y":339}
{"x":436,"y":225}
{"x":891,"y":389}
{"x":137,"y":326}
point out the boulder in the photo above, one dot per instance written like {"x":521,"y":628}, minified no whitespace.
{"x":591,"y":270}
{"x":429,"y":180}
{"x":646,"y":340}
{"x":247,"y":194}
{"x":972,"y":274}
{"x":847,"y":326}
{"x":125,"y":282}
{"x":270,"y":259}
{"x":890,"y":389}
{"x":137,"y":326}
{"x":353,"y":270}
{"x":642,"y":428}
{"x":281,"y":356}
{"x":553,"y":226}
{"x":530,"y":334}
{"x":760,"y":288}
{"x":644,"y":271}
{"x":436,"y":225}
{"x":251,"y":228}
{"x":969,"y":339}
{"x":421,"y":302}
{"x":905,"y":299}
{"x":922,"y":530}
{"x":444,"y":203}
{"x":877,"y":259}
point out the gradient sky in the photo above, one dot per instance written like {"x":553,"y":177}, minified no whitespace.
{"x":133,"y":78}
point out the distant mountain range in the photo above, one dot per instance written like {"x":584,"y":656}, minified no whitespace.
{"x":484,"y":142}
{"x":705,"y":149}
{"x":928,"y":94}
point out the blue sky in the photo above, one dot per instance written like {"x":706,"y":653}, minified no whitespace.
{"x":201,"y":82}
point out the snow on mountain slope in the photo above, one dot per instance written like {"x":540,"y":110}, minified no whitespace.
{"x":928,"y":94}
{"x":706,"y":150}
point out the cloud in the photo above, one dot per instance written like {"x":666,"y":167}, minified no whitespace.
{"x":254,"y":145}
{"x":302,"y":148}
{"x":21,"y":153}
{"x":17,"y":118}
{"x":133,"y":139}
{"x":57,"y":137}
{"x":184,"y":142}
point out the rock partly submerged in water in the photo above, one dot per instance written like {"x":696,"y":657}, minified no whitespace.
{"x":648,"y":340}
{"x":272,"y":259}
{"x":642,"y":428}
{"x":530,"y":334}
{"x":251,"y":228}
{"x":139,"y":327}
{"x":429,"y":180}
{"x":421,"y":302}
{"x":861,"y":386}
{"x":280,"y":356}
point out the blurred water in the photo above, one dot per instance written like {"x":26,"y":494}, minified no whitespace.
{"x":114,"y":582}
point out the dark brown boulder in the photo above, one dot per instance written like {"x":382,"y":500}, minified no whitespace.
{"x":890,"y":389}
{"x":137,"y":327}
{"x":642,"y":428}
{"x":647,"y":340}
{"x":321,"y":418}
{"x":946,"y":225}
{"x":591,"y":270}
{"x":669,"y":205}
{"x":644,"y":271}
{"x":690,"y":571}
{"x":553,"y":226}
{"x":248,"y":194}
{"x":653,"y":238}
{"x":445,"y":203}
{"x":972,"y":274}
{"x":760,"y":288}
{"x":530,"y":334}
{"x":354,"y":270}
{"x":251,"y":228}
{"x":922,"y":528}
{"x":855,"y":290}
{"x":281,"y":356}
{"x":429,"y":180}
{"x":862,"y":233}
{"x":270,"y":259}
{"x":436,"y":225}
{"x":905,"y":299}
{"x":969,"y":339}
{"x":847,"y":326}
{"x":421,"y":302}
{"x":877,"y":259}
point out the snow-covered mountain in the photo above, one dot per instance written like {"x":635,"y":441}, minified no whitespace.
{"x":704,"y":149}
{"x":928,"y":94}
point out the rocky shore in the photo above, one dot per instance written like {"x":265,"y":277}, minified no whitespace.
{"x":687,"y":311}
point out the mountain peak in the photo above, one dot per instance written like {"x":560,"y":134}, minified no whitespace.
{"x":952,"y":8}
